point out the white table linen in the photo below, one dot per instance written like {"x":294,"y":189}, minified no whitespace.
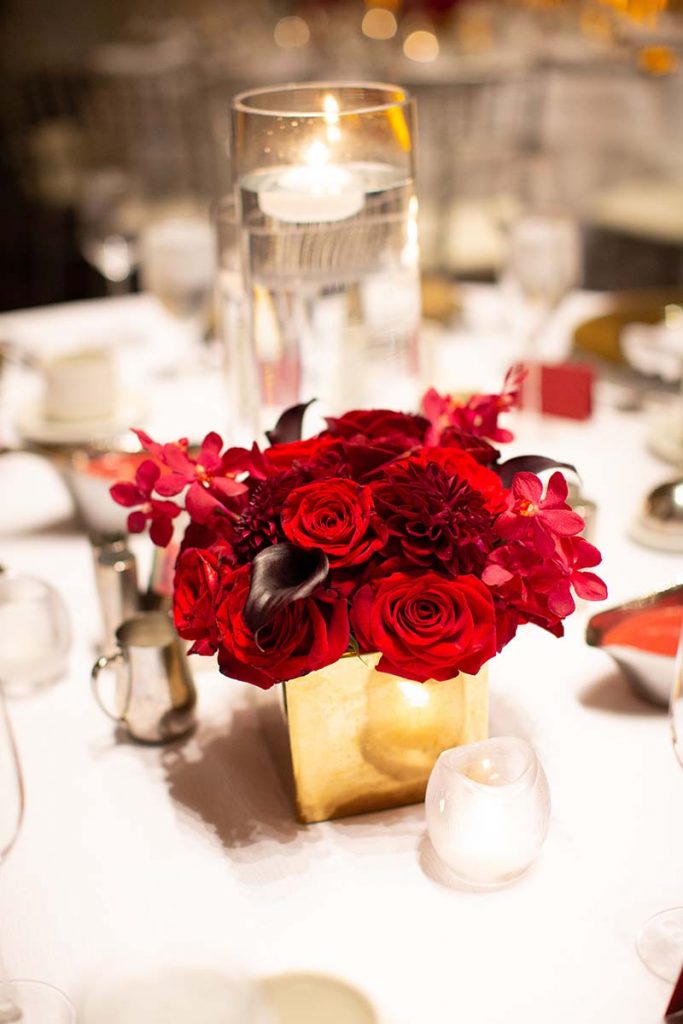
{"x":130,"y":854}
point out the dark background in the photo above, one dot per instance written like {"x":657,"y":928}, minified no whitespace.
{"x":148,"y":84}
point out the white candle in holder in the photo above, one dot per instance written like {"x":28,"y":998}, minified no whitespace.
{"x":315,"y":191}
{"x":488,"y":808}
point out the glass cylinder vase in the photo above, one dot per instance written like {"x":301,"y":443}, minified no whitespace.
{"x":325,"y":180}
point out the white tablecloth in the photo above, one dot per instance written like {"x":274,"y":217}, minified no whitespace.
{"x":130,"y":854}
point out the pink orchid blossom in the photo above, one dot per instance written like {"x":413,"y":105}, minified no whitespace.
{"x":158,"y":513}
{"x":478,"y":416}
{"x":210,"y":477}
{"x":576,"y":555}
{"x":536,"y":518}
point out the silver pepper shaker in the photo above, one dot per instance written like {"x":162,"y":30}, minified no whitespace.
{"x":116,"y":579}
{"x":159,"y":595}
{"x":584,"y":507}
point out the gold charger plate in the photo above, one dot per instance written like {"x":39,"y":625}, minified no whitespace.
{"x":601,"y":336}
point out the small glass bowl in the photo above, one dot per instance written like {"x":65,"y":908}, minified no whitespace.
{"x":35,"y":633}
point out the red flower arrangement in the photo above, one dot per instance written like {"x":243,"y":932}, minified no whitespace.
{"x":390,"y":532}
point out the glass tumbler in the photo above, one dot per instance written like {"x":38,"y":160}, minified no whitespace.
{"x":240,"y":367}
{"x":488,"y":809}
{"x":35,"y":633}
{"x":325,"y":182}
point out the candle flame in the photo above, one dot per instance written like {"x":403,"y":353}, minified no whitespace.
{"x":415,"y":693}
{"x":317,"y":155}
{"x":331,"y":109}
{"x":484,"y":772}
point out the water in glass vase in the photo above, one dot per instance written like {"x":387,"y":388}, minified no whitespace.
{"x":333,"y":285}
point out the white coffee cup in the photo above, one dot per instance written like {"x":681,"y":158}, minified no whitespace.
{"x":81,"y":385}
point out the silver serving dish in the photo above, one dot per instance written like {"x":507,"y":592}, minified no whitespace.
{"x":650,"y":674}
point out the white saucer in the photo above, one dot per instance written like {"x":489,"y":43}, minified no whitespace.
{"x":34,"y":428}
{"x":661,"y":538}
{"x":665,"y":430}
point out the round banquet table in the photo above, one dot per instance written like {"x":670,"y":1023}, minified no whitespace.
{"x":130,"y":855}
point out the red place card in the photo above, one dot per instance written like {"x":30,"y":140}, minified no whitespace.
{"x":566,"y":389}
{"x":674,"y":1011}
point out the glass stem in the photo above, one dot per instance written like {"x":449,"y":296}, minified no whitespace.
{"x":10,"y":1013}
{"x":534,"y":365}
{"x":118,"y":287}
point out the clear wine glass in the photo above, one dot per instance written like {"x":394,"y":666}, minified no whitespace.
{"x":11,"y":786}
{"x":543,"y":265}
{"x":660,"y":943}
{"x":110,"y":214}
{"x":178,"y":267}
{"x":28,"y":1002}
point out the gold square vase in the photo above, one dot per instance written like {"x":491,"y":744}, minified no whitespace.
{"x":354,"y":740}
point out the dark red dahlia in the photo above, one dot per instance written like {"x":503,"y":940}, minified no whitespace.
{"x":259,"y":524}
{"x":375,"y":424}
{"x":435,"y":519}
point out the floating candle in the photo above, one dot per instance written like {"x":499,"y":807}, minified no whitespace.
{"x":314,"y":191}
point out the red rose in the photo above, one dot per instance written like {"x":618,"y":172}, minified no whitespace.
{"x":194,"y":590}
{"x":336,"y":516}
{"x":426,"y":626}
{"x":305,"y":636}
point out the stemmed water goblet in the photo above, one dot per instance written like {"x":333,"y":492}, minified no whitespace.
{"x":21,"y":1002}
{"x":660,"y":942}
{"x":543,"y":260}
{"x":543,"y":265}
{"x":178,"y":267}
{"x":109,"y":219}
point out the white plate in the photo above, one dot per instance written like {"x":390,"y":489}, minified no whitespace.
{"x":665,"y":430}
{"x":36,"y":429}
{"x":661,"y":539}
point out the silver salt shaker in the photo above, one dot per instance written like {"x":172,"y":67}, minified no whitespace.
{"x":586,"y":508}
{"x":116,"y":579}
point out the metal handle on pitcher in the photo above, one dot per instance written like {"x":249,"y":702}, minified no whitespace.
{"x":102,"y":663}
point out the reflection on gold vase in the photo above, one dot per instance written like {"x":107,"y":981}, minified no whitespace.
{"x":354,"y":740}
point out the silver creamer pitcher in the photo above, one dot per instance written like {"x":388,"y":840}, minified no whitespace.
{"x":155,"y":695}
